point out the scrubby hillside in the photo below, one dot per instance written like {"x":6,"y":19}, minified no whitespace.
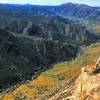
{"x":52,"y":28}
{"x":60,"y":78}
{"x":38,"y":21}
{"x":21,"y":57}
{"x":90,"y":76}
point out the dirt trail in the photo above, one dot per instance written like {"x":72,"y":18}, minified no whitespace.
{"x":25,"y":30}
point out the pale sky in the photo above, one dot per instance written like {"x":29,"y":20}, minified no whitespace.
{"x":52,"y":2}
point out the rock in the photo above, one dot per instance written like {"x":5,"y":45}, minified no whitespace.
{"x":87,"y":86}
{"x":93,"y":68}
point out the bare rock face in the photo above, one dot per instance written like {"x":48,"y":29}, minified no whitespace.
{"x":87,"y":86}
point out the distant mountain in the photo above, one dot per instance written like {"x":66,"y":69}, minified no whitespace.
{"x":66,"y":10}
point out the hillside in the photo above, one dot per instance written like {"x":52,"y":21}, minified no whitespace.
{"x":51,"y":23}
{"x":52,"y":28}
{"x":60,"y":78}
{"x":21,"y":57}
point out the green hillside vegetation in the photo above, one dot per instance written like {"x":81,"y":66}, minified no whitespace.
{"x":27,"y":56}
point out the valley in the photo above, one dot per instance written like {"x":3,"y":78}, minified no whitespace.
{"x":43,"y":48}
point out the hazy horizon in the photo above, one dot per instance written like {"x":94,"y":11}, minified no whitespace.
{"x":52,"y":2}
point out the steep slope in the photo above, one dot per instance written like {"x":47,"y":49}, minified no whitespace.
{"x":52,"y":28}
{"x":48,"y":27}
{"x":80,"y":11}
{"x":87,"y":86}
{"x":21,"y":57}
{"x":56,"y":83}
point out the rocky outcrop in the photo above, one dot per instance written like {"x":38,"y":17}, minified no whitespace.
{"x":87,"y":86}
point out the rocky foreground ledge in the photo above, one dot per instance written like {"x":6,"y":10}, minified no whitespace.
{"x":87,"y":85}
